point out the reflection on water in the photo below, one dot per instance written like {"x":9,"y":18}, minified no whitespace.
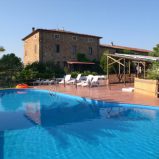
{"x":56,"y":122}
{"x":32,"y":112}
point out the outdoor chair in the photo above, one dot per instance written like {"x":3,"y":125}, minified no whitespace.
{"x":86,"y":82}
{"x":51,"y":82}
{"x":46,"y":82}
{"x":38,"y":82}
{"x":66,"y":79}
{"x":95,"y":81}
{"x":73,"y":81}
{"x":42,"y":82}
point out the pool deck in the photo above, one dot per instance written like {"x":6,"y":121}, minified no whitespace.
{"x":104,"y":93}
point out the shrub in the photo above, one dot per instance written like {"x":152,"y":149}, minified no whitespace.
{"x":153,"y":72}
{"x":82,"y":57}
{"x":86,"y":73}
{"x":26,"y":75}
{"x":41,"y":70}
{"x":74,"y":74}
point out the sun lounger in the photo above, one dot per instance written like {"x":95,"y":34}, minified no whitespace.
{"x":46,"y":82}
{"x":42,"y":82}
{"x":73,"y":81}
{"x":66,"y":79}
{"x":38,"y":82}
{"x":51,"y":82}
{"x":86,"y":82}
{"x":95,"y":81}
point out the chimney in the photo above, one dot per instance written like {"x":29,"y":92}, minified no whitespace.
{"x":33,"y":29}
{"x":112,"y":43}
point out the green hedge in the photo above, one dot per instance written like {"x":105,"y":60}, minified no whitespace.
{"x":153,"y":72}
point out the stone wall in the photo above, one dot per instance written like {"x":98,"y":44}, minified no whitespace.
{"x":103,"y":49}
{"x":41,"y":45}
{"x":31,"y":49}
{"x":70,"y":45}
{"x":117,"y":50}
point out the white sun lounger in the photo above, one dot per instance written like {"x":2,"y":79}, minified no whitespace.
{"x":95,"y":81}
{"x":86,"y":82}
{"x":48,"y":82}
{"x":66,"y":78}
{"x":45,"y":82}
{"x":38,"y":82}
{"x":51,"y":82}
{"x":73,"y":81}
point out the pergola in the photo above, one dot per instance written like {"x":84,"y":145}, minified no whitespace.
{"x":123,"y":59}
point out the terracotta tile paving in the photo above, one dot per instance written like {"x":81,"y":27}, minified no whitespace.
{"x":104,"y":93}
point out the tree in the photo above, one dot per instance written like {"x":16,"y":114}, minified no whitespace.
{"x":10,"y":62}
{"x":10,"y":65}
{"x":153,"y":71}
{"x":103,"y":61}
{"x":41,"y":70}
{"x":26,"y":75}
{"x":1,"y":49}
{"x":155,"y":51}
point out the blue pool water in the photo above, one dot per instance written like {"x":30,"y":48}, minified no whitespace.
{"x":38,"y":124}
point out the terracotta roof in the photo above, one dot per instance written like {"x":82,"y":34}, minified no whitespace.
{"x":125,"y":48}
{"x":81,"y":63}
{"x":59,"y":31}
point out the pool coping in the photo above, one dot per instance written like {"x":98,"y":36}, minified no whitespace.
{"x":112,"y":103}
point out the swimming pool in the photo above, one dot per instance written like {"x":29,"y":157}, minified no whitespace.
{"x":38,"y":124}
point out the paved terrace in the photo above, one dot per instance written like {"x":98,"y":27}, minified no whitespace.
{"x":103,"y":93}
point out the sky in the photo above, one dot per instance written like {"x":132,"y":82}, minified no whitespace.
{"x":132,"y":23}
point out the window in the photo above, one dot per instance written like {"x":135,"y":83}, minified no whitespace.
{"x":57,"y":36}
{"x":90,"y":39}
{"x":25,"y":53}
{"x":57,"y":48}
{"x":35,"y":48}
{"x":74,"y":49}
{"x":90,"y":50}
{"x":74,"y":38}
{"x":35,"y":36}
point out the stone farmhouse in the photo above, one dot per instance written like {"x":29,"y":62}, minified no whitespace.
{"x":62,"y":47}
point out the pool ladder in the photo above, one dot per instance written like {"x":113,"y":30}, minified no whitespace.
{"x":51,"y":93}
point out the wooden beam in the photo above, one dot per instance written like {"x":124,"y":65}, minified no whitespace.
{"x":108,"y":71}
{"x":117,"y":61}
{"x":144,"y":69}
{"x":129,"y":67}
{"x":124,"y":73}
